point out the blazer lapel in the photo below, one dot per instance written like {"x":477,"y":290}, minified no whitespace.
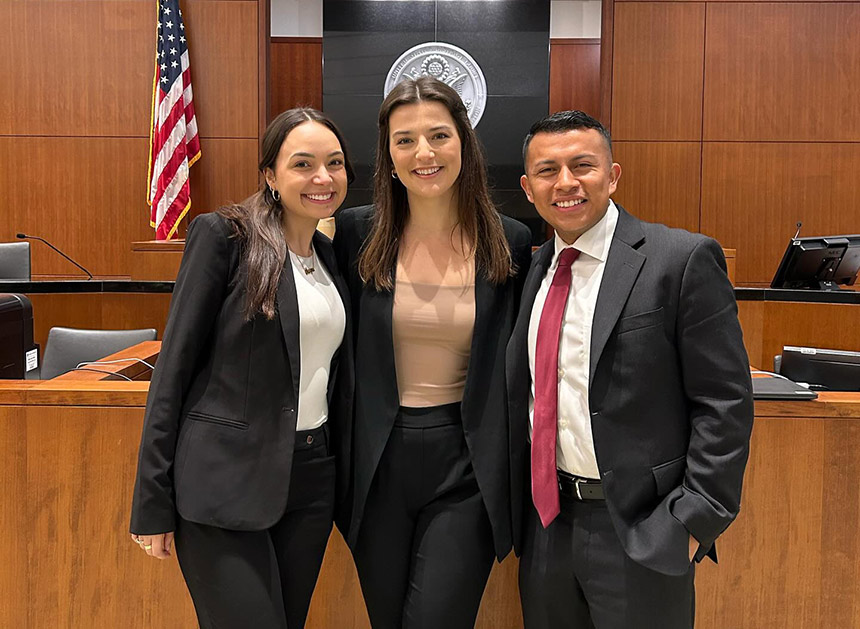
{"x":517,"y":354}
{"x":288,"y":312}
{"x":326,"y":254}
{"x":622,"y":268}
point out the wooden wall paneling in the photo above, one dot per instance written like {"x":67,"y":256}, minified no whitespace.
{"x":799,"y":511}
{"x":840,"y":554}
{"x":781,"y":502}
{"x":751,"y":318}
{"x":295,"y":73}
{"x":607,"y":29}
{"x":227,"y":173}
{"x":574,"y":75}
{"x":15,"y":588}
{"x":782,"y":72}
{"x":264,"y":35}
{"x":78,"y":67}
{"x":77,"y":554}
{"x":105,"y":311}
{"x":769,"y":325}
{"x":754,"y":193}
{"x":500,"y":606}
{"x":660,"y":181}
{"x":86,"y":195}
{"x":657,"y":70}
{"x":223,"y":38}
{"x":337,"y":600}
{"x":829,"y":326}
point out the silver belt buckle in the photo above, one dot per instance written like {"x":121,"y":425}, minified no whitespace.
{"x":576,"y":483}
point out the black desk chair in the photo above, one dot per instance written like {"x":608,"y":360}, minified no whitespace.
{"x":66,"y":348}
{"x":15,"y":261}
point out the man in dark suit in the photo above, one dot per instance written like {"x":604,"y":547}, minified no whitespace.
{"x":629,"y":394}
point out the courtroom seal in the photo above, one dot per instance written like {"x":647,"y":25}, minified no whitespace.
{"x":449,"y":64}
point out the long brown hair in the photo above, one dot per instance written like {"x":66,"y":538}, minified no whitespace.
{"x":477,"y":216}
{"x":258,"y":220}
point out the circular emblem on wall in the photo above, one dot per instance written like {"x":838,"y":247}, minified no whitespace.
{"x":449,"y":64}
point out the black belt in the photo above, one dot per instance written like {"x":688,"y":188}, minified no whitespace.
{"x":576,"y":488}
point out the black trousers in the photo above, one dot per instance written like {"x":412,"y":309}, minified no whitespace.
{"x":265,"y":579}
{"x":575,"y":574}
{"x":425,"y":548}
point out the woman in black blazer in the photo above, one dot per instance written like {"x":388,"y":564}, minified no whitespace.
{"x":243,"y":431}
{"x":434,"y":274}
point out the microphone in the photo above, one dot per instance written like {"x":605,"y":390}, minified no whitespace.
{"x":23,"y":236}
{"x":797,"y":233}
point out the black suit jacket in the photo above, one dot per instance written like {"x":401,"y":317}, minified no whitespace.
{"x":669,"y":392}
{"x":220,"y":422}
{"x":484,"y":406}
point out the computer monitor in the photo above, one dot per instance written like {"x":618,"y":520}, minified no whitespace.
{"x":819,"y":263}
{"x":831,"y":369}
{"x":18,"y":354}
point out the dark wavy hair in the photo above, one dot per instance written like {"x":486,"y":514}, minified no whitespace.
{"x":477,"y":216}
{"x":257,"y":221}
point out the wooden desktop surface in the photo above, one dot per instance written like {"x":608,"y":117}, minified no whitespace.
{"x":68,"y":455}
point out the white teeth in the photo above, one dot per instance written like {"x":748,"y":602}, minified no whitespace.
{"x":428,"y":171}
{"x":320,"y":197}
{"x":570,"y":203}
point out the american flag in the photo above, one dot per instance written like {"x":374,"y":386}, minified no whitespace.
{"x":174,"y":143}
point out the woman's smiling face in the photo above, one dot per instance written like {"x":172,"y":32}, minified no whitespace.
{"x":425,"y":148}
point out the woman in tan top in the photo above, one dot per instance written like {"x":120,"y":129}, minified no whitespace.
{"x":435,"y":274}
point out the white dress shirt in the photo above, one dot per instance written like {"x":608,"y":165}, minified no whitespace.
{"x":322,"y":321}
{"x":575,"y":443}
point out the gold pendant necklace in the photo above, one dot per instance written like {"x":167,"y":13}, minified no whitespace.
{"x":308,"y":269}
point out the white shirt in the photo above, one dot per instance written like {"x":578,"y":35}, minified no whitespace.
{"x":322,"y":321}
{"x":575,"y":443}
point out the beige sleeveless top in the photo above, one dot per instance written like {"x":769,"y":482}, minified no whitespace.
{"x":432,"y":334}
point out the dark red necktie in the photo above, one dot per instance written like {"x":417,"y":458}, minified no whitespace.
{"x":545,"y":422}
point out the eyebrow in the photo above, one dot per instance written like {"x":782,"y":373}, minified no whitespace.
{"x":575,"y":158}
{"x":442,"y":127}
{"x":301,"y":154}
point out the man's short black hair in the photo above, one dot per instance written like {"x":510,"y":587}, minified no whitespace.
{"x":562,"y":122}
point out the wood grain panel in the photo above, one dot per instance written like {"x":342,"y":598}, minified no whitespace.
{"x":768,"y":326}
{"x":574,"y":76}
{"x":227,"y":173}
{"x":14,"y":585}
{"x":657,"y":71}
{"x":660,"y":181}
{"x":754,"y":193}
{"x":77,"y":67}
{"x":86,"y":195}
{"x":98,"y":311}
{"x":89,"y":66}
{"x":223,"y":38}
{"x":790,"y":561}
{"x":77,"y":565}
{"x":772,"y":73}
{"x":295,"y":72}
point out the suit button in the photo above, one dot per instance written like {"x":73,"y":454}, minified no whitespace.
{"x":560,"y":374}
{"x":310,"y":439}
{"x":286,"y":409}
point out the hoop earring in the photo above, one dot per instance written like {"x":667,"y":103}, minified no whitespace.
{"x":393,"y":175}
{"x":275,"y":195}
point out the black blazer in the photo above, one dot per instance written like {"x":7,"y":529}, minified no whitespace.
{"x":669,"y":392}
{"x":484,"y":407}
{"x":220,"y":422}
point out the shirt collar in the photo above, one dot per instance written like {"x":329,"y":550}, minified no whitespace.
{"x":596,"y":241}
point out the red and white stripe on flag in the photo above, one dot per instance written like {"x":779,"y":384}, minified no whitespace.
{"x":174,"y":142}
